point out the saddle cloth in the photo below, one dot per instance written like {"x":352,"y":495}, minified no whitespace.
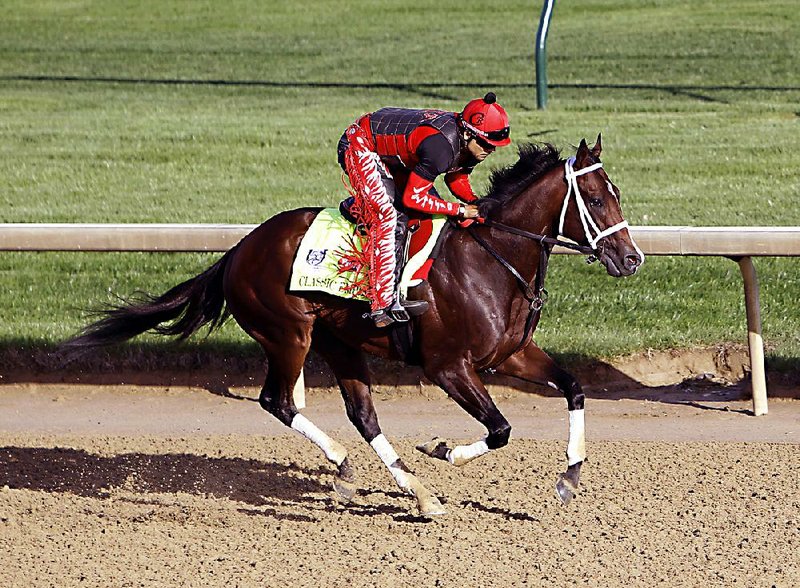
{"x":321,"y":263}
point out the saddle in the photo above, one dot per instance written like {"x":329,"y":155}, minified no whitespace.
{"x":328,"y":259}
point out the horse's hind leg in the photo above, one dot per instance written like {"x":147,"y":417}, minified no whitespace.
{"x":284,"y":364}
{"x":351,"y":371}
{"x":534,"y":365}
{"x":255,"y":292}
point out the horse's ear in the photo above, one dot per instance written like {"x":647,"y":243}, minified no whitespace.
{"x":598,"y":147}
{"x":582,"y":154}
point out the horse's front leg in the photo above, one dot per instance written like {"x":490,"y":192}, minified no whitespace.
{"x":464,"y":386}
{"x":534,"y":365}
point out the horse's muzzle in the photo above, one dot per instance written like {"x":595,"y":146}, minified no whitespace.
{"x":620,"y":264}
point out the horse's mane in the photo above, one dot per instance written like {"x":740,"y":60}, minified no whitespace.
{"x":534,"y":160}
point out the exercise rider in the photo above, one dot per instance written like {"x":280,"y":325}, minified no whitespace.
{"x":392,"y":157}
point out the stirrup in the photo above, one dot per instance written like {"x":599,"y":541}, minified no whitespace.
{"x":382,"y":318}
{"x":399,"y":314}
{"x":402,"y":309}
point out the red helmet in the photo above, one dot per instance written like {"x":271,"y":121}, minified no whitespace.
{"x":485,"y":119}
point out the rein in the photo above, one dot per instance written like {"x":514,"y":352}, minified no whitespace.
{"x":537,"y":295}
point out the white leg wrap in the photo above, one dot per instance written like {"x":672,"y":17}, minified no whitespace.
{"x":299,"y":392}
{"x":390,"y":458}
{"x":461,"y":454}
{"x":576,"y":447}
{"x":384,"y":450}
{"x":332,"y":450}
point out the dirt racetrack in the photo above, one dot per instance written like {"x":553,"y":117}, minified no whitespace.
{"x":174,"y":486}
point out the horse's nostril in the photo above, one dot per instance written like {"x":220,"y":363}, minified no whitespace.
{"x":632,"y":261}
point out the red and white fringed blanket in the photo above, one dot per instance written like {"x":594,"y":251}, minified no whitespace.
{"x":331,"y":257}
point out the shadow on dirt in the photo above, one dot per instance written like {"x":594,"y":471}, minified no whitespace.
{"x":719,"y":373}
{"x":267,"y":489}
{"x":81,"y":473}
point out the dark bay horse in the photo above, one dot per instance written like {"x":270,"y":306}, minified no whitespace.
{"x":484,"y":292}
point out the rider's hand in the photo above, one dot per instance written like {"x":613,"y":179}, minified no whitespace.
{"x":469,"y":211}
{"x":469,"y":215}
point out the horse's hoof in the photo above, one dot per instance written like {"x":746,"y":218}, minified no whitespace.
{"x":345,"y":491}
{"x":431,"y":507}
{"x":565,"y":490}
{"x":434,"y":448}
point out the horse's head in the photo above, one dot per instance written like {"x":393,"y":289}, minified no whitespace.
{"x":591,"y":213}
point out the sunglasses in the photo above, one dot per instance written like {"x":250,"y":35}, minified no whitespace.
{"x":500,"y":135}
{"x":485,"y":145}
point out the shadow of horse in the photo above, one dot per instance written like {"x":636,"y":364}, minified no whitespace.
{"x":502,"y":512}
{"x":250,"y":482}
{"x":263,"y":489}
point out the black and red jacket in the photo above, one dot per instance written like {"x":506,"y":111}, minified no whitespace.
{"x":427,"y":144}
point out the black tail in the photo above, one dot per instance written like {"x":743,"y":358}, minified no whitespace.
{"x":190,"y":305}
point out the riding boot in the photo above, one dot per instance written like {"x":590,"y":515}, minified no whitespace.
{"x":402,"y":310}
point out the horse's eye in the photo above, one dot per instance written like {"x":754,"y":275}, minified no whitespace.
{"x":595,"y":202}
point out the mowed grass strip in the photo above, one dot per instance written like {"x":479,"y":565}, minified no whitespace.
{"x":168,"y":112}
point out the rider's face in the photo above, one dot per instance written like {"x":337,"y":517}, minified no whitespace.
{"x":479,"y":148}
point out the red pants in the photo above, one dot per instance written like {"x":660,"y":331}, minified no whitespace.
{"x":375,"y":206}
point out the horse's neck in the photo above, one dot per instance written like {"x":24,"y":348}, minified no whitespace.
{"x":537,"y":208}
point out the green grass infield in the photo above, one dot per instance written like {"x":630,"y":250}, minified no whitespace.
{"x":209,"y":112}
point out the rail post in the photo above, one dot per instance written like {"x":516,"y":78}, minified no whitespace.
{"x":541,"y":53}
{"x":755,"y":342}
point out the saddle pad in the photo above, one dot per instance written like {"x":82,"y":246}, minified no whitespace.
{"x":318,"y":265}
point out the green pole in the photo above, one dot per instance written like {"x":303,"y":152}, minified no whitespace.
{"x":541,"y":53}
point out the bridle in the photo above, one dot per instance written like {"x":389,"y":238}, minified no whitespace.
{"x":589,"y":226}
{"x":537,"y":295}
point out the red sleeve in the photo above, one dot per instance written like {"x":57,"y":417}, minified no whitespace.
{"x":459,"y":185}
{"x":417,"y":197}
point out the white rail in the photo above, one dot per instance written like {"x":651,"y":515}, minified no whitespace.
{"x":131,"y":237}
{"x":740,"y":244}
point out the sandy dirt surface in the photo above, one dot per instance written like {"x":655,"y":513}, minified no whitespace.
{"x":174,"y":486}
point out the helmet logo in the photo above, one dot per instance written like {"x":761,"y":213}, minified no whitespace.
{"x":477,"y":119}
